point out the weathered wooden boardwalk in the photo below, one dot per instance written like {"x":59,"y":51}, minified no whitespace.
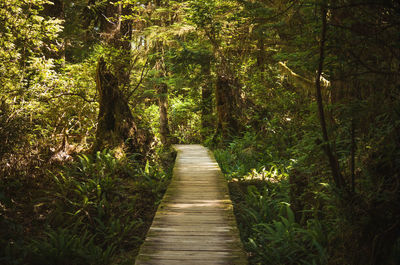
{"x":194,"y":224}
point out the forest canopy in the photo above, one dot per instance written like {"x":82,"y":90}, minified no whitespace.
{"x":299,"y":101}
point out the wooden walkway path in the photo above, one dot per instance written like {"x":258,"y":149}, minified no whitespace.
{"x":194,"y":224}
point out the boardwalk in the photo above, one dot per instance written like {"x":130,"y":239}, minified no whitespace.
{"x":194,"y":224}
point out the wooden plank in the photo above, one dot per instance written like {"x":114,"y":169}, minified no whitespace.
{"x":150,"y":260}
{"x":146,"y":260}
{"x":194,"y":223}
{"x":191,"y":239}
{"x":190,"y":254}
{"x":189,"y":228}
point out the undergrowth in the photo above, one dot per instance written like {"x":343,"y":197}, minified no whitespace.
{"x":95,"y":210}
{"x":260,"y":190}
{"x":289,"y":212}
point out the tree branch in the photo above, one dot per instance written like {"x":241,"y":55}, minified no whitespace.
{"x":142,"y":75}
{"x":73,"y":94}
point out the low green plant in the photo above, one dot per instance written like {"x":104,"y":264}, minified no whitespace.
{"x":246,"y":154}
{"x":118,"y":231}
{"x":63,"y":246}
{"x":86,"y":189}
{"x":284,"y":241}
{"x":109,"y":200}
{"x":267,"y":224}
{"x":269,"y":229}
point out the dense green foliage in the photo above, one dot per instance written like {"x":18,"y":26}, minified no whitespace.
{"x":268,"y":225}
{"x":299,"y":100}
{"x":93,"y":211}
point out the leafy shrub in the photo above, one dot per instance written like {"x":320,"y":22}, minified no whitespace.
{"x":285,"y":242}
{"x":63,"y":246}
{"x":184,"y":120}
{"x":101,"y":206}
{"x":269,"y":230}
{"x":86,"y":190}
{"x":266,"y":222}
{"x":242,"y":155}
{"x":11,"y":130}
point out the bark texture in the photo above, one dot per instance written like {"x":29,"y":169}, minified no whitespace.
{"x":163,"y":106}
{"x":227,"y":108}
{"x":207,"y":122}
{"x":116,"y":127}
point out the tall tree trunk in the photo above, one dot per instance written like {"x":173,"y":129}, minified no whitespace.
{"x":226,"y":108}
{"x":162,"y":87}
{"x":116,"y":127}
{"x":162,"y":93}
{"x":333,"y":161}
{"x":117,"y":32}
{"x":163,"y":106}
{"x":227,"y":94}
{"x":207,"y":124}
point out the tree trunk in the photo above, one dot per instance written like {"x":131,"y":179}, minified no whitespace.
{"x":161,"y":86}
{"x":226,"y":108}
{"x":116,"y":127}
{"x":227,"y":95}
{"x":163,"y":106}
{"x":333,"y":161}
{"x":207,"y":124}
{"x":117,"y":32}
{"x":162,"y":93}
